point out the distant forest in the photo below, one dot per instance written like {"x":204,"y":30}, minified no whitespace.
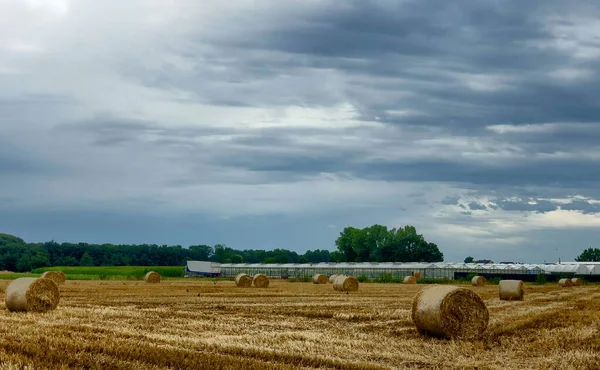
{"x":371,"y":244}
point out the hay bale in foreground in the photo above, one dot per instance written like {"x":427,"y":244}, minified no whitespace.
{"x":320,"y":279}
{"x":152,"y":277}
{"x":332,"y":278}
{"x":260,"y":281}
{"x":345,"y":283}
{"x":577,"y":281}
{"x":511,"y":290}
{"x":449,"y":312}
{"x":410,"y":280}
{"x":243,"y":280}
{"x":478,"y":281}
{"x":57,"y":276}
{"x":565,"y":283}
{"x":32,"y":294}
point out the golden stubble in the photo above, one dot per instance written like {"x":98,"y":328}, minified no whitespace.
{"x":199,"y":324}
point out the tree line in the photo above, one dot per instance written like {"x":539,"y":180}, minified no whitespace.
{"x":375,"y":243}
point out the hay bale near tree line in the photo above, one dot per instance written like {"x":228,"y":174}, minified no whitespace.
{"x":57,"y":276}
{"x":152,"y":277}
{"x":410,"y":280}
{"x":511,"y":290}
{"x":577,"y":281}
{"x":345,"y":283}
{"x":32,"y":294}
{"x":478,"y":281}
{"x":332,"y":278}
{"x":260,"y":281}
{"x":243,"y":280}
{"x":565,"y":283}
{"x":451,"y":312}
{"x":320,"y":279}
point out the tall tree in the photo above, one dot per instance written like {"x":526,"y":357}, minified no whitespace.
{"x":589,"y":255}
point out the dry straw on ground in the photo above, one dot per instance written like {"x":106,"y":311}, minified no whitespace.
{"x":511,"y":290}
{"x":449,"y":312}
{"x":577,"y":281}
{"x":260,"y":281}
{"x":345,"y":283}
{"x":152,"y":277}
{"x":565,"y":283}
{"x":478,"y":281}
{"x":320,"y":279}
{"x":57,"y":276}
{"x":410,"y":280}
{"x":243,"y":280}
{"x":32,"y":294}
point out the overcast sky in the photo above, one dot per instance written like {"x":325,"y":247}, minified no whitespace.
{"x":275,"y":124}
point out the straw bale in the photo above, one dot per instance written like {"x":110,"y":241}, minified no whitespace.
{"x":332,"y":278}
{"x":478,"y":281}
{"x":152,"y":277}
{"x":510,"y":290}
{"x":260,"y":281}
{"x":410,"y":280}
{"x":32,"y":294}
{"x":345,"y":283}
{"x":417,"y":274}
{"x":565,"y":283}
{"x":243,"y":280}
{"x":451,"y":312}
{"x":320,"y":279}
{"x":577,"y":281}
{"x":56,"y":276}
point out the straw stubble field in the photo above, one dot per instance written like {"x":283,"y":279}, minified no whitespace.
{"x":134,"y":325}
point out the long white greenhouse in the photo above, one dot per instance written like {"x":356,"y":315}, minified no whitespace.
{"x":399,"y":269}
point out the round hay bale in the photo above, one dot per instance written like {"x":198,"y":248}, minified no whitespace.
{"x":32,"y":294}
{"x":511,"y":290}
{"x":320,"y":279}
{"x":410,"y":280}
{"x":345,"y":283}
{"x":478,"y":281}
{"x":56,"y":276}
{"x":63,"y":276}
{"x":565,"y":283}
{"x":260,"y":281}
{"x":243,"y":280}
{"x":332,"y":278}
{"x":417,"y":274}
{"x":451,"y":312}
{"x":577,"y":281}
{"x":152,"y":277}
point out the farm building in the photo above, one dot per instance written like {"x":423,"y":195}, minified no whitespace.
{"x":202,"y":268}
{"x":526,"y":272}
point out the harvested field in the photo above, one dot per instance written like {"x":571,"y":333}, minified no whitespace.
{"x":134,"y":325}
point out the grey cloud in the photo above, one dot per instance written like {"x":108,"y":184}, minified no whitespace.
{"x":581,"y":205}
{"x":450,"y":200}
{"x":475,"y":206}
{"x":540,"y":205}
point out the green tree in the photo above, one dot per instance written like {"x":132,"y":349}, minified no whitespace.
{"x":41,"y":259}
{"x":469,"y":259}
{"x":589,"y":255}
{"x":24,"y":263}
{"x":86,"y":260}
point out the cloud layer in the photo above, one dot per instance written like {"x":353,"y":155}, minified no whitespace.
{"x":477,"y":122}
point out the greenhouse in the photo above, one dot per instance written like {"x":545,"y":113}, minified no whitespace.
{"x":425,"y":270}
